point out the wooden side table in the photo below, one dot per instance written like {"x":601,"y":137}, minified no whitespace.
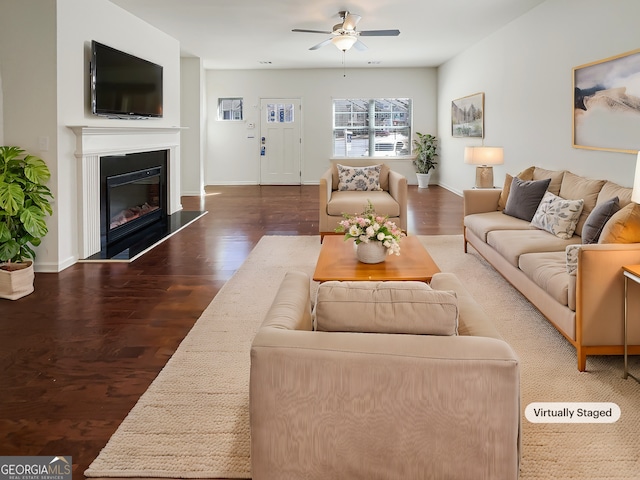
{"x":631,"y":272}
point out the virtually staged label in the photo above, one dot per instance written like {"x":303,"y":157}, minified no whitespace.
{"x":572,"y":412}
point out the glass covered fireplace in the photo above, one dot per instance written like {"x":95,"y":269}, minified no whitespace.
{"x":133,"y":194}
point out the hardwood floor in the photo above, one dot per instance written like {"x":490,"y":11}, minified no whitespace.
{"x":77,"y":354}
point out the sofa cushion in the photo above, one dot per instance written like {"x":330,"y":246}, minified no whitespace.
{"x":524,"y":197}
{"x":557,"y":215}
{"x":365,"y":179}
{"x":610,"y":190}
{"x":555,"y":178}
{"x":548,"y":271}
{"x":598,"y":218}
{"x":575,"y":187}
{"x":623,"y":226}
{"x":506,"y":188}
{"x":384,"y":171}
{"x":513,"y":243}
{"x":356,"y":202}
{"x":483,"y":223}
{"x":385,"y":307}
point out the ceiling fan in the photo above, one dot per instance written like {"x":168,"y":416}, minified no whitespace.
{"x":345,"y":34}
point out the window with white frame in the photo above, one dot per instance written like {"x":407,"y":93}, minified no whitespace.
{"x":371,"y":127}
{"x":230,"y":109}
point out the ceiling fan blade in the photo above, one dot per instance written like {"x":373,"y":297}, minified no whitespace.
{"x":310,"y":31}
{"x":350,"y":21}
{"x":321,"y":44}
{"x":360,"y":46}
{"x":380,"y":33}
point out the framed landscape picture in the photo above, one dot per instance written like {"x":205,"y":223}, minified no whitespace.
{"x":467,"y":116}
{"x":606,"y":104}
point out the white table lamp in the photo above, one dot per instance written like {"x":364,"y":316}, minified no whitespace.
{"x":484,"y":158}
{"x":635,"y":195}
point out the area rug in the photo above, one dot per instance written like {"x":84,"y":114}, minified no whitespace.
{"x":193,"y":420}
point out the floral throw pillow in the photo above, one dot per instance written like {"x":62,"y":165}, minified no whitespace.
{"x":557,"y":215}
{"x":572,"y":258}
{"x":364,"y":179}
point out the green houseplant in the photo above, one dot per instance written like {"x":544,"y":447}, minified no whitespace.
{"x":424,"y":148}
{"x":24,"y":203}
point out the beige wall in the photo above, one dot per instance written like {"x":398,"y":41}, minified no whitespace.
{"x":233,"y":158}
{"x":525,"y":71}
{"x":45,"y":84}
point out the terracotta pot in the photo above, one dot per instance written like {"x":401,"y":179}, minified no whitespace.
{"x":16,"y":282}
{"x":372,"y":252}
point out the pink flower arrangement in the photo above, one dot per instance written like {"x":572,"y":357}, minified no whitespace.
{"x":369,"y":226}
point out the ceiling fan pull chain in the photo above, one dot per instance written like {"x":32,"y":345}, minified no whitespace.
{"x":344,"y":64}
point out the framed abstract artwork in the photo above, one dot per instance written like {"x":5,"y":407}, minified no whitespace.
{"x":606,"y":104}
{"x":467,"y":116}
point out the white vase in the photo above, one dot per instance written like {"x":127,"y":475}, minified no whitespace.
{"x":423,"y":180}
{"x":372,"y":252}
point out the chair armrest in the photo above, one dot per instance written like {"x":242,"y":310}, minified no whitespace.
{"x":600,"y":293}
{"x":480,"y":200}
{"x":326,"y":187}
{"x":398,"y":191}
{"x":324,"y":191}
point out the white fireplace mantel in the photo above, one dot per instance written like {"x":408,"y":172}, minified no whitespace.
{"x":93,"y":142}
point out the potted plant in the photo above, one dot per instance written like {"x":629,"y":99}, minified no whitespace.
{"x":24,"y":203}
{"x":425,"y":149}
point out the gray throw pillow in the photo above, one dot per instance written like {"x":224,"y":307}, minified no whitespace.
{"x":524,"y":197}
{"x":598,"y":218}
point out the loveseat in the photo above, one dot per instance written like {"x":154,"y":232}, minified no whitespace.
{"x":573,"y":276}
{"x":388,"y":195}
{"x":344,"y":404}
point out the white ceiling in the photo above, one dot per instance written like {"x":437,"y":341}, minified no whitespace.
{"x":240,"y":34}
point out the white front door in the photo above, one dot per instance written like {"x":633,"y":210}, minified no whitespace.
{"x":280,"y":142}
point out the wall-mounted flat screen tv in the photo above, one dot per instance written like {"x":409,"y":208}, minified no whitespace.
{"x":124,"y":86}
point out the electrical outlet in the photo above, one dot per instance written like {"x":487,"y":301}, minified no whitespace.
{"x":43,"y":144}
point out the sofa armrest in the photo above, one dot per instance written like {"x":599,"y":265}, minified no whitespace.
{"x":398,"y":191}
{"x":480,"y":200}
{"x":325,"y":404}
{"x":600,"y":293}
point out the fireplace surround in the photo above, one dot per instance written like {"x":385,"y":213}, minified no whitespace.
{"x":93,"y":144}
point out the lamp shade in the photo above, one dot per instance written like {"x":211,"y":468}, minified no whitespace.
{"x":344,"y":42}
{"x":635,"y":195}
{"x":484,"y":155}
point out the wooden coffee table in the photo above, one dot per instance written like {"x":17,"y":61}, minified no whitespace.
{"x":337,"y":261}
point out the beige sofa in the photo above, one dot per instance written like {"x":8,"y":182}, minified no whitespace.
{"x":584,"y":300}
{"x":375,"y":405}
{"x":391,"y":200}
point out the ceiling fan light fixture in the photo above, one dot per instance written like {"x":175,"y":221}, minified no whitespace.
{"x":344,"y":42}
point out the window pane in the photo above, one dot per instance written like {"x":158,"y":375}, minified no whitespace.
{"x":381,"y":126}
{"x":230,"y":109}
{"x":280,"y":113}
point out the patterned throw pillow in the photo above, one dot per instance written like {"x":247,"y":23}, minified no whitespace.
{"x":572,"y":258}
{"x":363,"y":179}
{"x":557,"y":215}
